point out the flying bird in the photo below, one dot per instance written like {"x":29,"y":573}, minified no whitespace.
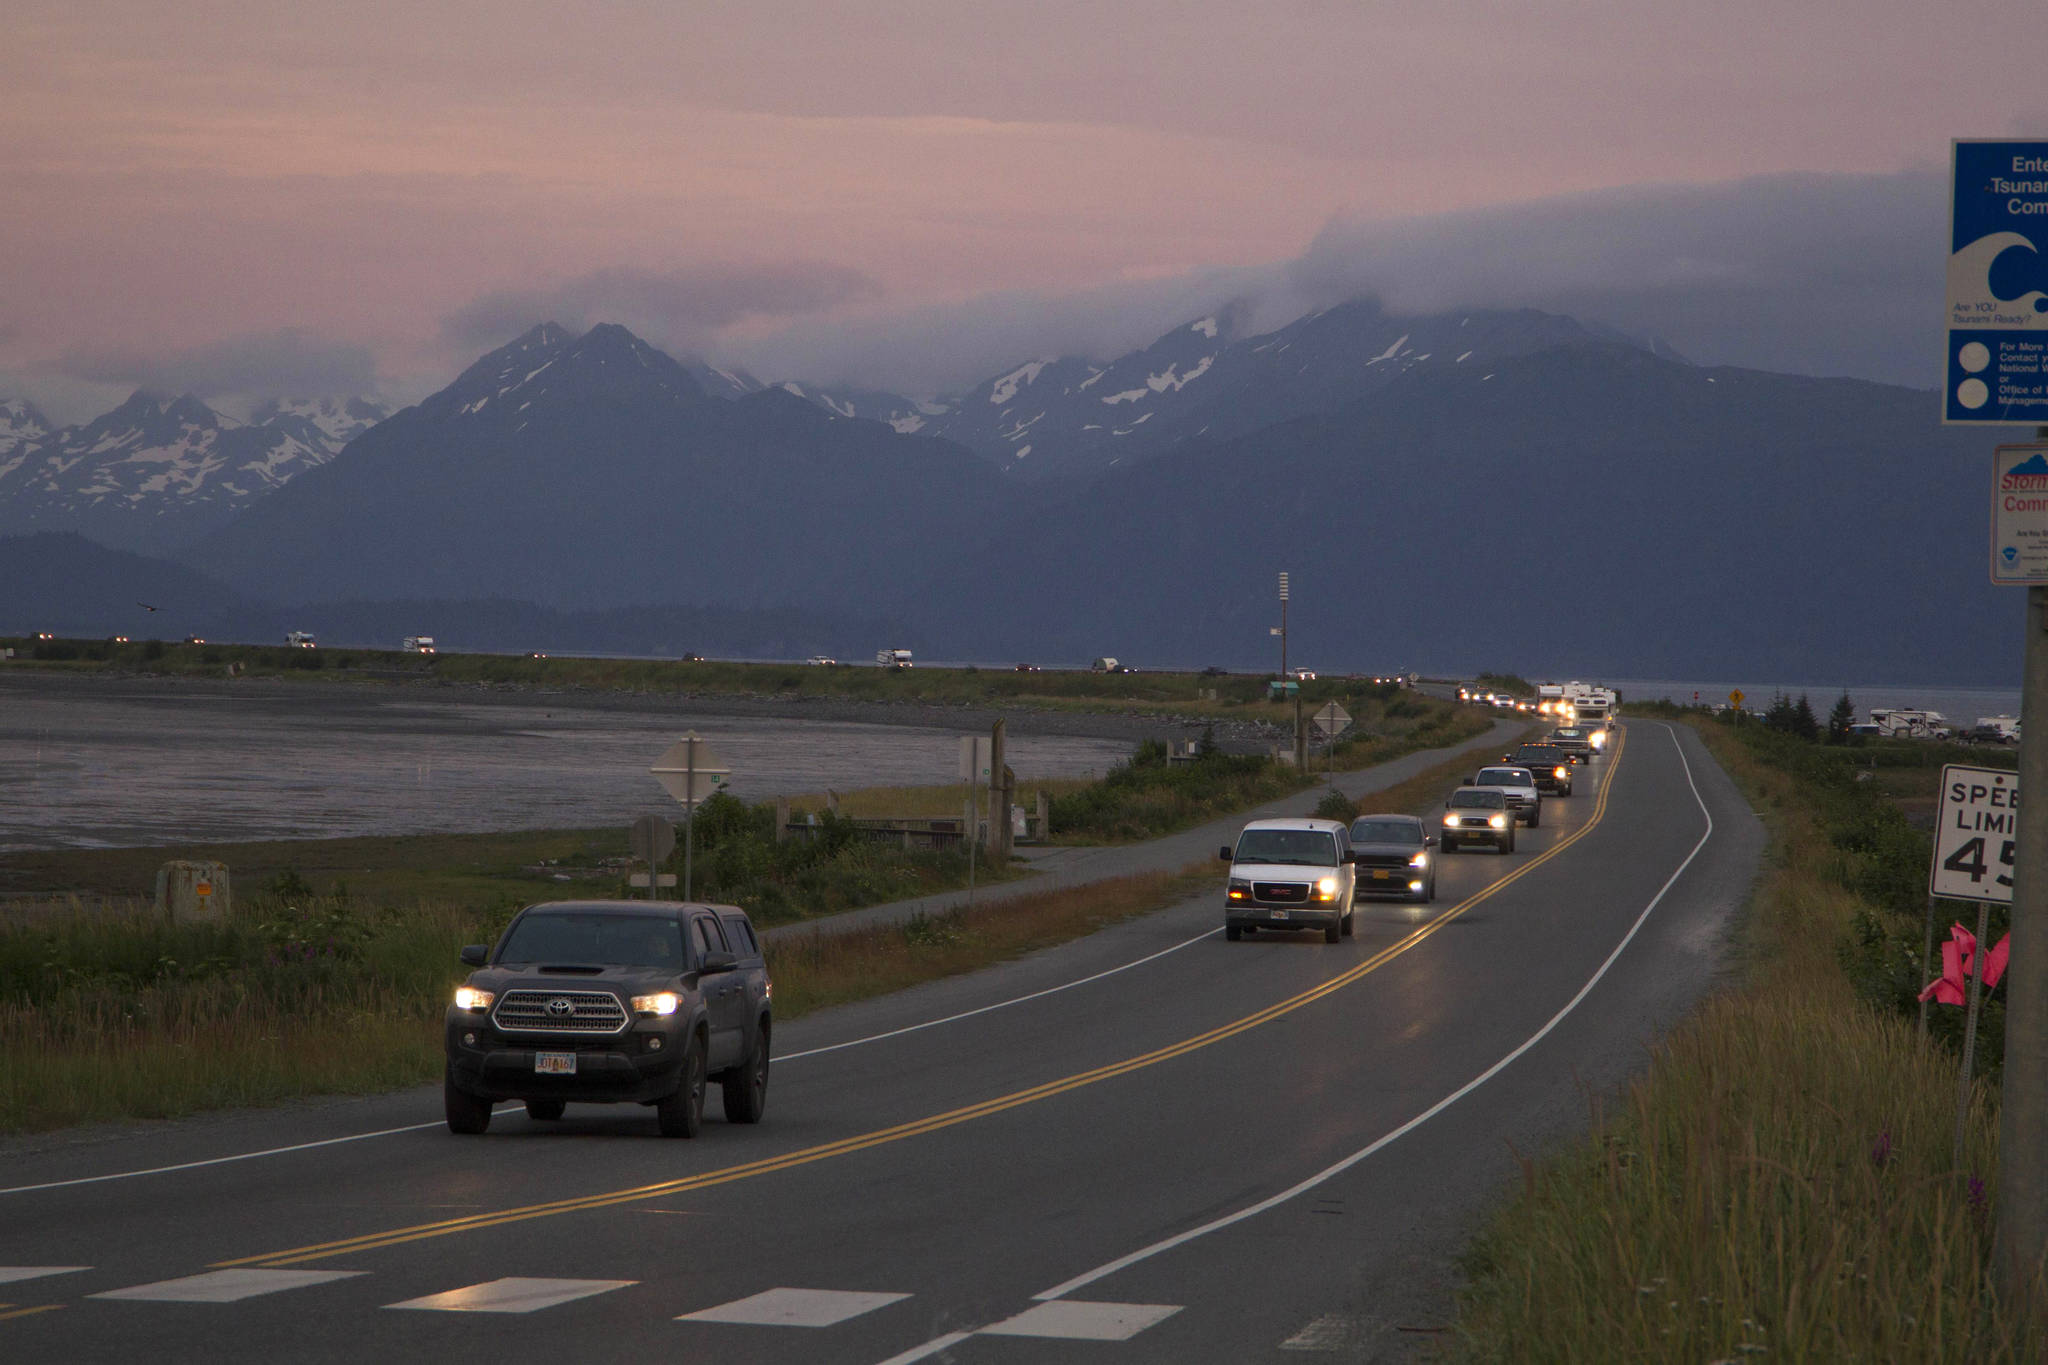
{"x":146,"y":607}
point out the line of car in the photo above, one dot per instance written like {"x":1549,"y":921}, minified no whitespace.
{"x":1295,"y":873}
{"x":646,"y":1002}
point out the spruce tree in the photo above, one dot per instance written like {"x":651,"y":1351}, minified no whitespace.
{"x":1840,"y":719}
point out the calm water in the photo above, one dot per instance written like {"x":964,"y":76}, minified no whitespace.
{"x":1962,"y":705}
{"x":105,"y":766}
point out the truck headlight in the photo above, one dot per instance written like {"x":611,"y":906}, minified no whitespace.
{"x":661,"y":1002}
{"x":1240,"y":889}
{"x":1451,"y":819}
{"x":470,"y":998}
{"x":1419,"y":860}
{"x":1497,"y":821}
{"x":1326,"y":889}
{"x":1560,"y":773}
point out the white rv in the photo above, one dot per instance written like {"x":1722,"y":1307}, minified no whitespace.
{"x":892,"y":658}
{"x":418,"y":644}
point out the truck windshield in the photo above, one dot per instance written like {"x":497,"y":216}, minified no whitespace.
{"x":1471,"y":798}
{"x":1308,"y":846}
{"x":1386,"y":832}
{"x":596,"y":938}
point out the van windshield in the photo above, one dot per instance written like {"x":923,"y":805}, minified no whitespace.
{"x":1310,"y":847}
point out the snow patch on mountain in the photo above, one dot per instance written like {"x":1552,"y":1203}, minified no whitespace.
{"x":1004,"y":389}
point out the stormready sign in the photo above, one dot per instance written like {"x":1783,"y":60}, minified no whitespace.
{"x":2019,"y":514}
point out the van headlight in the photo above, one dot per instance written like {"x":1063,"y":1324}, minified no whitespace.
{"x":1497,"y":821}
{"x":1326,"y":889}
{"x":1239,"y":890}
{"x":660,"y":1003}
{"x":470,"y":998}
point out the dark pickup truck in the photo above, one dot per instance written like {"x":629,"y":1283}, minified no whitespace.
{"x":609,"y":1002}
{"x":1551,"y":766}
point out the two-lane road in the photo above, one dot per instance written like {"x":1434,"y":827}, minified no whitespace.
{"x":1150,"y":1145}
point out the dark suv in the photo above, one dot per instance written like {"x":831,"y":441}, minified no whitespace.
{"x":611,"y":1002}
{"x":1550,"y":765}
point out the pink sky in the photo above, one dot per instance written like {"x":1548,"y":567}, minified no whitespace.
{"x":195,"y":175}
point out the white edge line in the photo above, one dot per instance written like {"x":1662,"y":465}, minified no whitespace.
{"x":999,"y":1005}
{"x":220,"y":1160}
{"x":1145,"y":1253}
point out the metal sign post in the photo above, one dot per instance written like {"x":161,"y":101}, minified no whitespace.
{"x":977,"y":764}
{"x":690,"y":772}
{"x":652,"y":839}
{"x":1333,"y":720}
{"x":1976,"y":840}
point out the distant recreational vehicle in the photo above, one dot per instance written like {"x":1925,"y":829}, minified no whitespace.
{"x":893,"y":658}
{"x":418,"y":644}
{"x":1107,"y":664}
{"x":301,"y":639}
{"x":1899,"y":720}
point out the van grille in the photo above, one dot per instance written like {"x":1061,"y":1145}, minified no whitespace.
{"x":1280,"y":892}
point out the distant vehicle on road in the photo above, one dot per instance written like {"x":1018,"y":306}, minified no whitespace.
{"x":1519,"y":784}
{"x":893,"y":658}
{"x":1573,"y":740}
{"x":612,"y":1002}
{"x":1548,"y":764}
{"x":1302,"y":674}
{"x":822,"y":661}
{"x":1290,"y":874}
{"x":301,"y":639}
{"x":418,"y":644}
{"x":1392,"y":856}
{"x":1029,"y":668}
{"x":1478,"y":815}
{"x":1107,"y":664}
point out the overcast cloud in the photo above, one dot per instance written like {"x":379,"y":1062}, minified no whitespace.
{"x":1810,"y":274}
{"x":287,"y":363}
{"x":683,"y":311}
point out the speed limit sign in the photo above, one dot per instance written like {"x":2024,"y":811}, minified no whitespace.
{"x":1975,"y":833}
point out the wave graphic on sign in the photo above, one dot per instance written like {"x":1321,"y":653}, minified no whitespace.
{"x":2014,"y":288}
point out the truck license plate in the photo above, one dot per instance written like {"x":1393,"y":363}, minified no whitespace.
{"x":1381,"y":874}
{"x":555,"y":1063}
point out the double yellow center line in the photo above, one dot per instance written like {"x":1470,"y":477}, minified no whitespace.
{"x":880,"y":1137}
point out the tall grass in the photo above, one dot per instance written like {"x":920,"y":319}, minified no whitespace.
{"x":1778,"y":1186}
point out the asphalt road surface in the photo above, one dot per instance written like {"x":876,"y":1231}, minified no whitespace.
{"x":1150,"y":1145}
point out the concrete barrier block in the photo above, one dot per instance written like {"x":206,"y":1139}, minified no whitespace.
{"x":193,"y":892}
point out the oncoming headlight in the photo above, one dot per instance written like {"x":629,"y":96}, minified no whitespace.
{"x":1419,"y":860}
{"x":1560,"y":773}
{"x":1240,"y":889}
{"x":1497,"y":821}
{"x":1326,"y":888}
{"x":470,"y":998}
{"x":661,"y":1002}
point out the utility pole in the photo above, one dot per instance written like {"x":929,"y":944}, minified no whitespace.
{"x":2021,"y":1246}
{"x":1283,"y":628}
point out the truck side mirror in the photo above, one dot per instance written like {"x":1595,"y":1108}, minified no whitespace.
{"x":475,"y":954}
{"x":716,"y":961}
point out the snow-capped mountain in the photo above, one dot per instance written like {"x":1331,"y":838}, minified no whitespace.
{"x":338,"y":420}
{"x":1061,"y":416}
{"x":158,"y":471}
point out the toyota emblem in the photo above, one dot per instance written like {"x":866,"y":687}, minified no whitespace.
{"x":561,"y":1005}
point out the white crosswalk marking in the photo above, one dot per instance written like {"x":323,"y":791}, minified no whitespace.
{"x":11,"y":1273}
{"x":225,"y":1286}
{"x":512,"y":1295}
{"x":1080,"y":1321}
{"x":795,"y":1308}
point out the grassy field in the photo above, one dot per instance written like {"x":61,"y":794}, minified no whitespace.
{"x":1779,"y":1185}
